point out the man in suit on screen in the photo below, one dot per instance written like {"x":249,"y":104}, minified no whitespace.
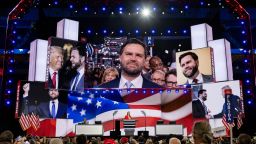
{"x":52,"y":108}
{"x":55,"y":64}
{"x":234,"y":101}
{"x":199,"y":109}
{"x":189,"y":64}
{"x":77,"y":60}
{"x":132,"y":58}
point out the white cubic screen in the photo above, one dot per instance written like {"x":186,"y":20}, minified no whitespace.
{"x":200,"y":35}
{"x":68,"y":29}
{"x":222,"y":59}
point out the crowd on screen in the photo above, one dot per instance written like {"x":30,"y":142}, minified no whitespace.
{"x":154,"y":70}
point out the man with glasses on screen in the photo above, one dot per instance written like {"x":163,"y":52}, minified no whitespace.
{"x":189,"y":64}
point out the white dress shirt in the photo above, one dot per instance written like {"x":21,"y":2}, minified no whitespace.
{"x":199,"y":79}
{"x":136,"y":83}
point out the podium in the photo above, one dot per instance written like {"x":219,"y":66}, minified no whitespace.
{"x":129,"y":127}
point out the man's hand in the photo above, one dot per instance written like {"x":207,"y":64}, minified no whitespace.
{"x":26,"y":88}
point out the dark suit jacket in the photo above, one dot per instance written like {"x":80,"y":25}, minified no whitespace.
{"x":44,"y":110}
{"x":81,"y":85}
{"x":50,"y":84}
{"x":115,"y":94}
{"x":198,"y":109}
{"x":115,"y":84}
{"x":235,"y":102}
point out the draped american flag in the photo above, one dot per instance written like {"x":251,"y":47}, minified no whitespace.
{"x":100,"y":105}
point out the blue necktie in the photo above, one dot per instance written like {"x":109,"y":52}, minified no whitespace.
{"x":53,"y":110}
{"x":76,"y":81}
{"x":128,"y":84}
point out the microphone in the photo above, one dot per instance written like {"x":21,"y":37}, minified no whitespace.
{"x":143,"y":112}
{"x":114,"y":113}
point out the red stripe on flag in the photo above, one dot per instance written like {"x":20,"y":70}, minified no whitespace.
{"x":47,"y":128}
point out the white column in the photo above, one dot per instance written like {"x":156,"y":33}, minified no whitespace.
{"x":38,"y":60}
{"x":200,"y":35}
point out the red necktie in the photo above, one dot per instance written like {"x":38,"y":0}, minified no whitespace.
{"x":54,"y":79}
{"x":195,"y":81}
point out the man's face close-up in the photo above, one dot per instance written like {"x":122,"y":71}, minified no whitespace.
{"x":75,"y":59}
{"x":54,"y":93}
{"x":189,"y":66}
{"x":132,"y":59}
{"x":56,"y":60}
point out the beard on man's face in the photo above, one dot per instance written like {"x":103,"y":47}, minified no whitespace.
{"x":129,"y":71}
{"x":76,"y":65}
{"x":193,"y":72}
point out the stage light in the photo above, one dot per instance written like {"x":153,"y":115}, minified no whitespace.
{"x":144,"y":91}
{"x":242,"y":22}
{"x":8,"y":91}
{"x":9,"y":81}
{"x":184,"y":31}
{"x":243,"y":32}
{"x":120,"y":8}
{"x":7,"y":102}
{"x":247,"y":81}
{"x":15,"y":23}
{"x":13,"y":41}
{"x":168,"y":31}
{"x":152,"y":91}
{"x":154,"y":9}
{"x":245,"y":61}
{"x":103,"y":9}
{"x":89,"y":31}
{"x":14,"y":31}
{"x":172,"y":8}
{"x":120,"y":12}
{"x":71,"y":6}
{"x":248,"y":91}
{"x":186,"y":6}
{"x":145,"y":12}
{"x":56,"y":2}
{"x":249,"y":102}
{"x":104,"y":31}
{"x":136,"y":31}
{"x":11,"y":60}
{"x":246,"y":70}
{"x":121,"y":31}
{"x":137,"y":9}
{"x":85,"y":8}
{"x":153,"y":31}
{"x":10,"y":71}
{"x":201,"y":3}
{"x":244,"y":41}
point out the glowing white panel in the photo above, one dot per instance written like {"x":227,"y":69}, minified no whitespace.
{"x":169,"y":129}
{"x":200,"y":35}
{"x":68,"y":29}
{"x":89,"y":129}
{"x":222,"y":59}
{"x":38,"y":60}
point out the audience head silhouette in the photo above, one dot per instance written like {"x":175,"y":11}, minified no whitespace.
{"x":202,"y":133}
